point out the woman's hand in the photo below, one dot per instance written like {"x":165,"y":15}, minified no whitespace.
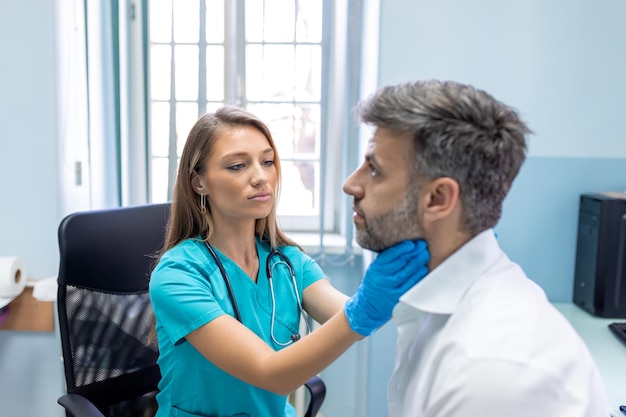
{"x":394,"y":271}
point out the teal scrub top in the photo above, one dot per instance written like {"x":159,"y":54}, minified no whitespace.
{"x":187,"y":291}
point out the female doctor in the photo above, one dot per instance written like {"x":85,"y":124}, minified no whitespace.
{"x":229,"y":288}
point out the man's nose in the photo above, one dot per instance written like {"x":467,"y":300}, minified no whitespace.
{"x":351,"y":186}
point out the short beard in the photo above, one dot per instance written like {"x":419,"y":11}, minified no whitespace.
{"x":401,"y":223}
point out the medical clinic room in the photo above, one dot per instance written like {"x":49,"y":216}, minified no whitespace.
{"x":212,"y":208}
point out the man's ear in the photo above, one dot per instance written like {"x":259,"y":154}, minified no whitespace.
{"x":441,"y":198}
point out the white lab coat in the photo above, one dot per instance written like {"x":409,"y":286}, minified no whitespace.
{"x":477,"y":338}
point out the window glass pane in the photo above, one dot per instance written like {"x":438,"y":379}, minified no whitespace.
{"x":299,"y":188}
{"x":215,"y":20}
{"x":160,"y":56}
{"x":186,"y":72}
{"x":159,"y":129}
{"x":186,"y":116}
{"x":159,"y":178}
{"x":308,"y":73}
{"x":254,"y":20}
{"x":295,"y":128}
{"x":309,"y":21}
{"x":279,"y":20}
{"x":186,"y":21}
{"x":270,"y":20}
{"x":269,"y":72}
{"x":160,"y":21}
{"x":254,"y":78}
{"x":215,"y":73}
{"x":307,"y":131}
{"x":212,"y":106}
{"x":280,"y":120}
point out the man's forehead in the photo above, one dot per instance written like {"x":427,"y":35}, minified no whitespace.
{"x":389,"y":144}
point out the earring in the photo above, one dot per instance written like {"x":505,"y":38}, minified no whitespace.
{"x":202,"y":204}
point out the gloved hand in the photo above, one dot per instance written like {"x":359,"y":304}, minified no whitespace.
{"x":394,"y":271}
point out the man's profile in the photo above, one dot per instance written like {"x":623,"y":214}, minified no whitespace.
{"x":476,"y":337}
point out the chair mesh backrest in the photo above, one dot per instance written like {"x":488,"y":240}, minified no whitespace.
{"x":104,"y":310}
{"x":108,"y":334}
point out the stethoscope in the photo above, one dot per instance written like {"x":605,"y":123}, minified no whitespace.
{"x":269,"y":268}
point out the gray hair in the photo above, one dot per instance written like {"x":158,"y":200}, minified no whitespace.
{"x":459,"y":132}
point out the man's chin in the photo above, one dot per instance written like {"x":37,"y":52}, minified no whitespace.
{"x":374,"y":245}
{"x":367,"y":242}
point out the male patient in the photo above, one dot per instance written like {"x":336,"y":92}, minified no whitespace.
{"x":476,"y":337}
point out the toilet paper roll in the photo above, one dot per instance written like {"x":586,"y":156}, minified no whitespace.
{"x":12,"y":276}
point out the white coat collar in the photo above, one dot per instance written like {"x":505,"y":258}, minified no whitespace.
{"x":442,"y":289}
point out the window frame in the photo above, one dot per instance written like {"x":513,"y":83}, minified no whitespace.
{"x":331,"y":160}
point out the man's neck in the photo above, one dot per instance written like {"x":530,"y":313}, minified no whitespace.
{"x":443,"y":242}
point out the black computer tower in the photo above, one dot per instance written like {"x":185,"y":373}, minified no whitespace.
{"x":600,"y":273}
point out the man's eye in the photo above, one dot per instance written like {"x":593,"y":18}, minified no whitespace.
{"x":373,"y":170}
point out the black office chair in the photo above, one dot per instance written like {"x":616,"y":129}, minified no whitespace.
{"x":105,"y":316}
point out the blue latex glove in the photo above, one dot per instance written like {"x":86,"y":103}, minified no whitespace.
{"x":394,"y":271}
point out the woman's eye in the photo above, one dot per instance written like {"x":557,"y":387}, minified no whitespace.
{"x":268,"y":163}
{"x":236,"y":167}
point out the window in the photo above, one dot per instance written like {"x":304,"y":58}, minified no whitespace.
{"x":273,"y":57}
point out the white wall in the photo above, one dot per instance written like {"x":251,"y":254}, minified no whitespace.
{"x":28,"y":143}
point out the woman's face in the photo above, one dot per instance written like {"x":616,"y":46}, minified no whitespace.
{"x":240,"y":178}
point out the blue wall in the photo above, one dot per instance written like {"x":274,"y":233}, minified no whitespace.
{"x":562,"y":65}
{"x":540,"y":216}
{"x":28,"y":137}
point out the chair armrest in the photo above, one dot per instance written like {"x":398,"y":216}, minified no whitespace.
{"x":78,"y":406}
{"x":317,"y":391}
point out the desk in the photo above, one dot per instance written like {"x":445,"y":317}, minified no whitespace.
{"x":608,"y":352}
{"x":25,"y":313}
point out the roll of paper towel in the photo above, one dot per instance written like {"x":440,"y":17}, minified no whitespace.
{"x":12,"y":276}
